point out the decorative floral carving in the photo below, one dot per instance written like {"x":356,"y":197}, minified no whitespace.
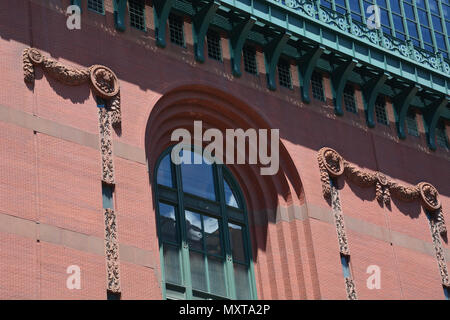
{"x":333,"y":161}
{"x":112,"y":251}
{"x":339,"y":221}
{"x":103,"y":80}
{"x":430,"y":196}
{"x":106,"y":146}
{"x":351,"y":289}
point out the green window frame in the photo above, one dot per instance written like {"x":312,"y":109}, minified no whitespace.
{"x":411,"y":124}
{"x":441,"y":135}
{"x":250,"y":64}
{"x":214,"y":267}
{"x":349,"y":99}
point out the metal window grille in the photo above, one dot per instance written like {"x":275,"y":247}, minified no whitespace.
{"x":349,"y":99}
{"x":284,"y":74}
{"x":96,"y":5}
{"x":380,"y":111}
{"x":214,"y":47}
{"x":176,"y":30}
{"x":137,"y":14}
{"x":411,"y":124}
{"x":317,"y":86}
{"x":250,"y":65}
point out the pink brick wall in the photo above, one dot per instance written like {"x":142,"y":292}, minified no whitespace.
{"x":56,"y":182}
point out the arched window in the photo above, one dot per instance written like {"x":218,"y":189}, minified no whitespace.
{"x":203,"y":231}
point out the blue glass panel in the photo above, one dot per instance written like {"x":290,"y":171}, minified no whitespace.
{"x":412,"y":29}
{"x":426,"y":35}
{"x":433,"y":4}
{"x":384,"y":17}
{"x":197,"y":177}
{"x":164,"y":176}
{"x":440,"y":40}
{"x":420,"y":3}
{"x":168,"y":222}
{"x":395,"y":6}
{"x":382,"y":3}
{"x":398,"y":23}
{"x":409,"y":11}
{"x":354,"y":6}
{"x":212,"y":235}
{"x":237,"y":242}
{"x":437,"y":25}
{"x":194,"y":230}
{"x":340,"y":2}
{"x":345,"y":266}
{"x":230,"y":199}
{"x":423,"y":17}
{"x":107,"y":196}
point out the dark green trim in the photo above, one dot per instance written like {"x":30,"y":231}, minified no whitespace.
{"x":120,"y":8}
{"x":200,"y":25}
{"x":161,"y":11}
{"x":272,"y":53}
{"x":370,"y":93}
{"x":338,"y":81}
{"x":238,"y":36}
{"x":401,"y":105}
{"x":306,"y":66}
{"x":431,"y":117}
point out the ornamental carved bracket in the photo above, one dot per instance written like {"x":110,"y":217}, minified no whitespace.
{"x":333,"y":165}
{"x":103,"y":81}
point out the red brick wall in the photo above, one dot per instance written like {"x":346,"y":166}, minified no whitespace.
{"x":48,"y":180}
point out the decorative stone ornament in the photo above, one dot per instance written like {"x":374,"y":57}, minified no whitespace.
{"x":430,"y":196}
{"x":104,"y":84}
{"x":331,"y":164}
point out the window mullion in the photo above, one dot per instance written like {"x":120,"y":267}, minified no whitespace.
{"x":185,"y":264}
{"x":229,"y":272}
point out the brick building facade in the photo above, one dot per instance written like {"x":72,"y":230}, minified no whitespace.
{"x":52,"y":187}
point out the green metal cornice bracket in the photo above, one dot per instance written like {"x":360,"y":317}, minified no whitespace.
{"x":162,"y":10}
{"x":339,"y":80}
{"x":272,"y":53}
{"x":401,"y":105}
{"x":201,"y":21}
{"x":430,"y":118}
{"x":120,"y":7}
{"x":76,"y":3}
{"x":237,"y":40}
{"x":370,"y":93}
{"x":306,"y":65}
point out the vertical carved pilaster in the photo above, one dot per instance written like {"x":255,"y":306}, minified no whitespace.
{"x":351,"y":289}
{"x":105,"y":128}
{"x":339,"y":221}
{"x":112,"y":251}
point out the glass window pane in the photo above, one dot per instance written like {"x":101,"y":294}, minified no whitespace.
{"x":437,"y":25}
{"x":172,"y":264}
{"x":194,"y":230}
{"x":409,"y":11}
{"x":433,"y":6}
{"x":423,"y":17}
{"x":237,"y":242}
{"x":168,"y":222}
{"x":216,"y":276}
{"x":398,"y":22}
{"x":242,"y":282}
{"x":212,"y":235}
{"x":230,"y":199}
{"x":198,"y":274}
{"x":164,"y":176}
{"x":197,"y":176}
{"x":412,"y":29}
{"x":426,"y":35}
{"x":395,"y":5}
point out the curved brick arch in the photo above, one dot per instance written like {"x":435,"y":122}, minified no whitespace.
{"x":181,"y":106}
